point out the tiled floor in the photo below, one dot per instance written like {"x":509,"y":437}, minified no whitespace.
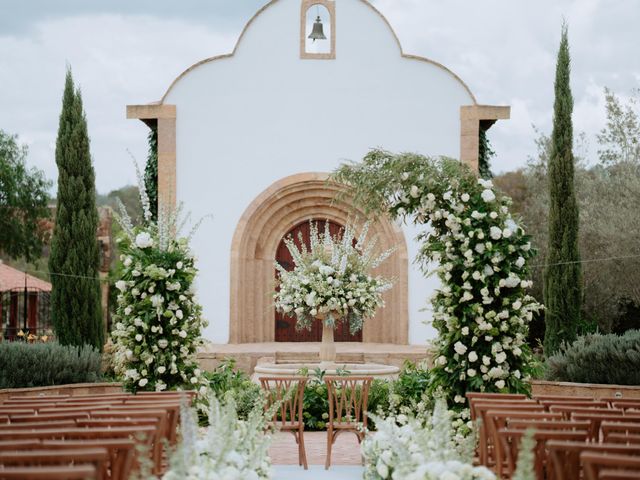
{"x":346,"y":450}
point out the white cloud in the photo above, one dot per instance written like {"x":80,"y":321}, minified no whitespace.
{"x":505,"y":52}
{"x":116,"y":60}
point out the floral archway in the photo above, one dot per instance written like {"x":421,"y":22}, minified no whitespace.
{"x":479,"y":252}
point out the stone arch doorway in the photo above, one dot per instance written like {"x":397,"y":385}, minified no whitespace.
{"x":285,"y":204}
{"x":286,"y":325}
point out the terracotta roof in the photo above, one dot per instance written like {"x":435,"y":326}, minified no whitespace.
{"x":11,"y":278}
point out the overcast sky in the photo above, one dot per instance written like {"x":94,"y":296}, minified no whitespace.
{"x":125,"y":52}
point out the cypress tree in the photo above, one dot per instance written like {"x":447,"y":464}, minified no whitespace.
{"x":74,"y":260}
{"x":563,"y":276}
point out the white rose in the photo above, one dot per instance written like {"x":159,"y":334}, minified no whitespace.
{"x":179,"y":314}
{"x":495,"y":233}
{"x":471,"y":372}
{"x":121,"y":285}
{"x":442,"y":360}
{"x":493,"y":215}
{"x":143,"y":382}
{"x":414,"y":192}
{"x":464,"y":197}
{"x":506,"y":233}
{"x":479,"y":247}
{"x":473,"y":356}
{"x":143,"y":240}
{"x":404,"y":176}
{"x":162,"y":369}
{"x":488,"y":195}
{"x":382,"y":469}
{"x":194,"y":380}
{"x":179,"y":265}
{"x":138,"y":337}
{"x":460,"y":348}
{"x":128,"y":310}
{"x":182,"y":334}
{"x":485,"y":183}
{"x":127,"y":261}
{"x":520,"y":262}
{"x":486,"y":360}
{"x":500,"y":357}
{"x":163,"y":343}
{"x":465,"y":331}
{"x":500,"y":384}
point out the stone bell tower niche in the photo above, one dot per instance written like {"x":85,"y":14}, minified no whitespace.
{"x":318,"y":29}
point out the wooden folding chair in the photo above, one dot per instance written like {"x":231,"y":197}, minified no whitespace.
{"x":565,"y":456}
{"x":49,"y":472}
{"x":498,"y":419}
{"x":348,"y":399}
{"x":594,"y":462}
{"x":510,"y":440}
{"x":94,"y":456}
{"x":596,"y":420}
{"x":122,"y":453}
{"x":172,"y":411}
{"x":288,"y":392}
{"x":485,"y":440}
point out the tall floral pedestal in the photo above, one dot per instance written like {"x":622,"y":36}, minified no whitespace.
{"x":328,"y":346}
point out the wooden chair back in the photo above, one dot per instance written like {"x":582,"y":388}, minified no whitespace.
{"x":570,"y":398}
{"x":608,"y":427}
{"x":565,"y":456}
{"x":348,"y":401}
{"x":288,"y":393}
{"x":485,"y":436}
{"x":596,"y":420}
{"x":49,"y":472}
{"x":95,"y":456}
{"x":568,"y":410}
{"x":594,"y":462}
{"x":122,"y":453}
{"x":626,"y":438}
{"x":575,"y":403}
{"x":510,"y":440}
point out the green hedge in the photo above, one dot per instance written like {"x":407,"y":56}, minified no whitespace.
{"x":37,"y":365}
{"x":596,"y":358}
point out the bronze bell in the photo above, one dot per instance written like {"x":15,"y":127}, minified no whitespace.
{"x":318,"y":31}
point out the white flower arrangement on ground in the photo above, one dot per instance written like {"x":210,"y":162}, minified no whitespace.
{"x":157,"y":323}
{"x":332,"y":279}
{"x":422,"y":447}
{"x":481,"y":310}
{"x":231,"y":449}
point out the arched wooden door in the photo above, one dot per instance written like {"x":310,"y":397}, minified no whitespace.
{"x":286,"y":325}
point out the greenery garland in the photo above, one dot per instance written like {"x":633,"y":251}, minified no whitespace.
{"x":481,"y":310}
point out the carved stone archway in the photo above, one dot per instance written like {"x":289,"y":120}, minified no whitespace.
{"x":268,"y":218}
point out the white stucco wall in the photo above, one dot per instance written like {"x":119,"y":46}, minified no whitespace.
{"x":246,"y":121}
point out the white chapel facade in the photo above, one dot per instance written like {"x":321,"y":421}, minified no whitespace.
{"x":251,"y":136}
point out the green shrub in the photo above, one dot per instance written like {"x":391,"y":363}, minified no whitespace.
{"x":596,"y":358}
{"x":37,"y":365}
{"x":226,"y":378}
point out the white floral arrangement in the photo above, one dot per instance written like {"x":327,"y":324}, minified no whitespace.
{"x":332,"y":279}
{"x":157,"y":322}
{"x":422,"y":447}
{"x":229,"y":449}
{"x":480,"y":253}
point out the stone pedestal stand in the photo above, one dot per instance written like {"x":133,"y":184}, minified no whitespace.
{"x":328,"y":346}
